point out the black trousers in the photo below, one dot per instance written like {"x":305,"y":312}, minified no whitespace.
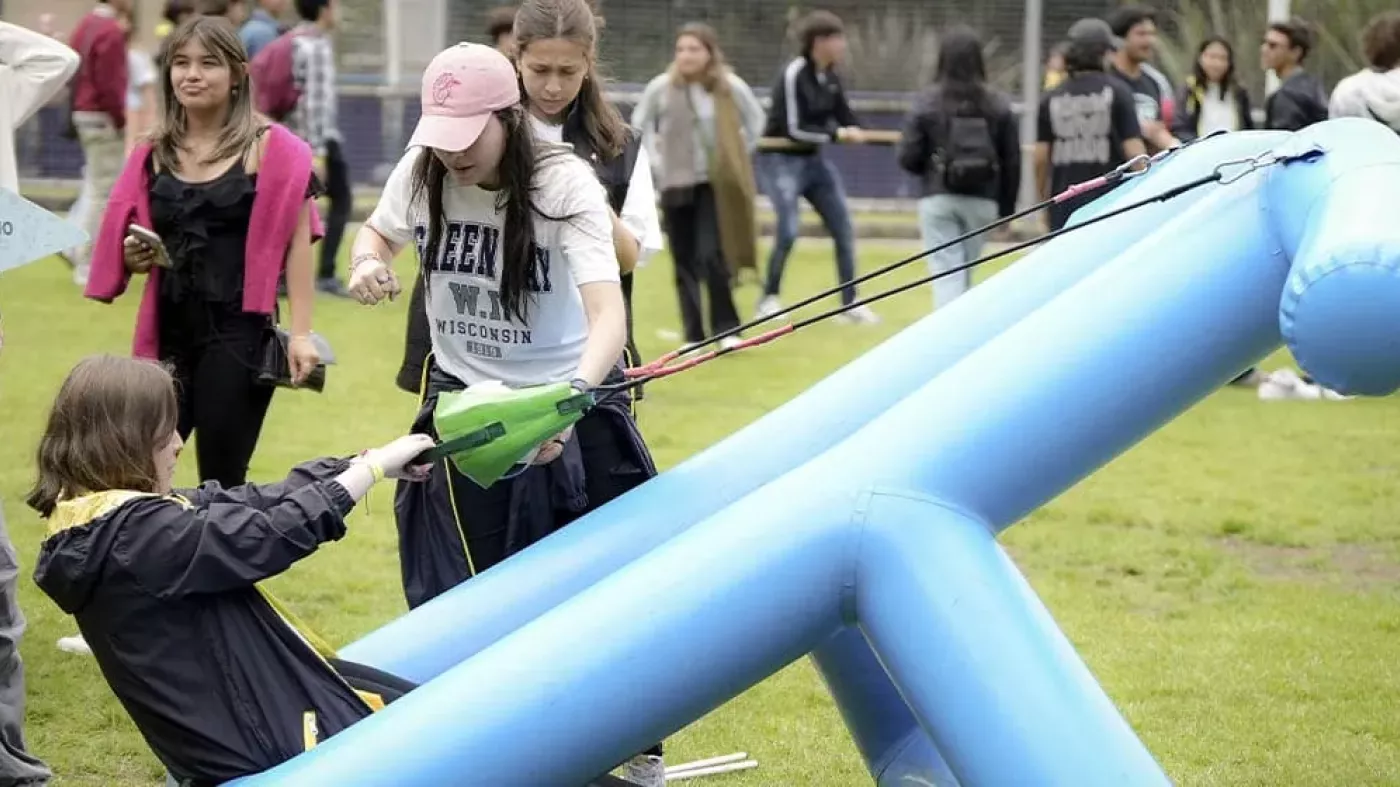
{"x":417,"y":341}
{"x":451,"y":529}
{"x":342,"y":200}
{"x":693,"y":227}
{"x":213,"y":351}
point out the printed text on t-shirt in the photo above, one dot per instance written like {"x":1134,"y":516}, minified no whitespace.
{"x":467,"y":259}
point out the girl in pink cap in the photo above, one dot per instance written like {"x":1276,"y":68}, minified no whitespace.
{"x":519,"y":267}
{"x":554,"y":43}
{"x":521,"y":280}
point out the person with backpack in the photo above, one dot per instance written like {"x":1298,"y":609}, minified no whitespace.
{"x":294,"y":83}
{"x":961,"y":141}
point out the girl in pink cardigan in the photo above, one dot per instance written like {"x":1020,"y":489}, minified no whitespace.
{"x":231,"y":197}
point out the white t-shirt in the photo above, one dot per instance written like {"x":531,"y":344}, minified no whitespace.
{"x":472,"y":338}
{"x":140,"y":73}
{"x":639,"y":208}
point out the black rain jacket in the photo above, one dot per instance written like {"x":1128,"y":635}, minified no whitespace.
{"x":220,"y":682}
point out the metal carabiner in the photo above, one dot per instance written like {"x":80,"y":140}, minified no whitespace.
{"x":1246,"y":165}
{"x":1125,"y":170}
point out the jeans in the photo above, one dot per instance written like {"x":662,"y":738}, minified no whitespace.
{"x":788,"y":178}
{"x":943,"y":217}
{"x":17,"y":765}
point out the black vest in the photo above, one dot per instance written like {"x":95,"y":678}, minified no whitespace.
{"x":615,"y":173}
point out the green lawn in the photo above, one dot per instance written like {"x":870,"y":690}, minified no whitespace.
{"x":1231,"y":581}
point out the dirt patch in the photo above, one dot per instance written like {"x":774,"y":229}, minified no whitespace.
{"x":1357,"y":566}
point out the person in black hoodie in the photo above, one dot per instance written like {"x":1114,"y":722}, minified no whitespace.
{"x":215,"y":674}
{"x":961,"y":140}
{"x":1301,"y":99}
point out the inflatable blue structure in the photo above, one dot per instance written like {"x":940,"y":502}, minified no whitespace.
{"x":858,"y":523}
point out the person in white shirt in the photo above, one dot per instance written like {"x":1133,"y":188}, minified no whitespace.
{"x":554,"y":45}
{"x":517,"y":250}
{"x":1374,"y":92}
{"x":33,"y":69}
{"x":515,"y":240}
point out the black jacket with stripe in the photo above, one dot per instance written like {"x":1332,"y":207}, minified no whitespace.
{"x":808,"y":106}
{"x":217,"y":680}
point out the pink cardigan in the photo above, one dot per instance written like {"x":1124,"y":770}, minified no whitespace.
{"x":283,"y":177}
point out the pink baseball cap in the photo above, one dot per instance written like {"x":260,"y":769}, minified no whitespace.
{"x":461,"y":88}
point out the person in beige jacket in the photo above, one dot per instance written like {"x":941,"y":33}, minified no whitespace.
{"x":33,"y":68}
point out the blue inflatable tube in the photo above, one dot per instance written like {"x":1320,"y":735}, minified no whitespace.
{"x":892,"y":527}
{"x":429,"y":640}
{"x":426,"y":642}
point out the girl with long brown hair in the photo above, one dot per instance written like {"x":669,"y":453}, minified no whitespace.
{"x":702,"y":124}
{"x":230,"y":196}
{"x":220,"y":681}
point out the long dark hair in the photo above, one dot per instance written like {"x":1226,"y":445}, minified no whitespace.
{"x":1227,"y":82}
{"x":575,"y":20}
{"x":515,"y":181}
{"x":108,"y":420}
{"x":961,"y":74}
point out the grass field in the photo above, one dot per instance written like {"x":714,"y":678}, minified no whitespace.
{"x":1231,"y":581}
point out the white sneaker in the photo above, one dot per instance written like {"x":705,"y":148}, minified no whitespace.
{"x":75,"y":645}
{"x":860,"y":315}
{"x":1270,"y":391}
{"x":768,"y":305}
{"x":729,"y":342}
{"x":645,"y":770}
{"x":80,"y":275}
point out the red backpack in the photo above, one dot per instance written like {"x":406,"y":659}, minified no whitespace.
{"x":275,"y":89}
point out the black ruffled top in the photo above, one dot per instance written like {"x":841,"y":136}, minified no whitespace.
{"x":205,"y":229}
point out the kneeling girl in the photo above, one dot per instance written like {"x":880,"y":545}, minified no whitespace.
{"x":216,"y":676}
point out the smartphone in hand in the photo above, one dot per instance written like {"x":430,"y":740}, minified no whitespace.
{"x":153,"y":242}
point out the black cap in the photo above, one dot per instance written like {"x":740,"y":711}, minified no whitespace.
{"x":1093,"y":33}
